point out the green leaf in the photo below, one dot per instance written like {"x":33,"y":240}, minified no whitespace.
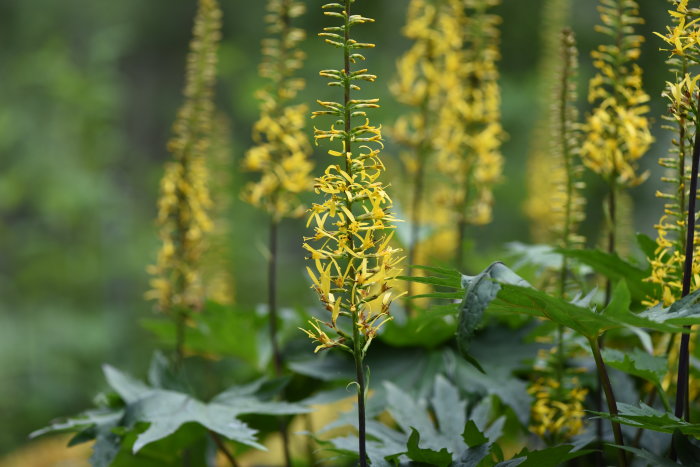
{"x":167,"y":411}
{"x":649,"y":418}
{"x":637,"y":363}
{"x":92,"y":425}
{"x":550,"y":457}
{"x":473,"y":436}
{"x":480,"y":291}
{"x":128,"y":388}
{"x":427,"y":329}
{"x":587,"y":322}
{"x":433,"y":280}
{"x":687,"y":450}
{"x":428,"y":456}
{"x":620,"y":301}
{"x":653,"y":459}
{"x":435,"y":438}
{"x":616,"y":269}
{"x":218,"y":329}
{"x":647,"y":245}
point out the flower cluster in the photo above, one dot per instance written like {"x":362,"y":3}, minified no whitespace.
{"x":353,"y":262}
{"x":282,"y":149}
{"x":563,"y":211}
{"x":557,"y":411}
{"x":184,"y":196}
{"x":425,"y":74}
{"x":617,"y":132}
{"x":682,"y":95}
{"x":470,"y":157}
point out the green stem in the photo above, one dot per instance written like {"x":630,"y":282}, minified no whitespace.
{"x":272,"y":298}
{"x":180,"y":318}
{"x":222,"y":447}
{"x":272,"y":327}
{"x":610,"y":397}
{"x":358,"y":354}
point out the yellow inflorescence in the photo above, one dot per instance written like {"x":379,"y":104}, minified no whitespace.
{"x":469,"y":154}
{"x":557,"y":412}
{"x":424,"y":75}
{"x":566,"y":204}
{"x":282,"y":151}
{"x":617,"y":132}
{"x":184,"y":196}
{"x":353,"y":263}
{"x":667,"y":265}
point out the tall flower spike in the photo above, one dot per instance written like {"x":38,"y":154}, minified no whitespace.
{"x":425,"y":75}
{"x":184,"y":196}
{"x":470,"y":157}
{"x":557,"y":413}
{"x":617,"y":132}
{"x":676,"y":268}
{"x":568,"y":201}
{"x":538,"y":206}
{"x":353,"y":264}
{"x":282,"y":149}
{"x":681,"y":94}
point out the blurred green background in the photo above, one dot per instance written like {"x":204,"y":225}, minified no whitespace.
{"x":88,"y":91}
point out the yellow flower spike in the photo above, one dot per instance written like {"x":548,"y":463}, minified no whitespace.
{"x":184,"y":201}
{"x":667,"y":266}
{"x":555,"y":204}
{"x":282,"y":151}
{"x":449,"y":80}
{"x":617,"y":132}
{"x":352,"y":220}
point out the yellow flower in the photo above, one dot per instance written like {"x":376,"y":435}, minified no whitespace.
{"x":667,"y":265}
{"x":184,"y":201}
{"x":557,"y":412}
{"x":282,"y":149}
{"x":354,"y":266}
{"x":617,"y":132}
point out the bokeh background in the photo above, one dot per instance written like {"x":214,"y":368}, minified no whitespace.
{"x":88,"y":91}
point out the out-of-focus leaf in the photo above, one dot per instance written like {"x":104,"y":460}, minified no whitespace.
{"x":637,"y":363}
{"x":166,"y":411}
{"x":687,"y":449}
{"x":550,"y":457}
{"x":422,"y":437}
{"x":218,"y":330}
{"x":428,"y":456}
{"x":616,"y":269}
{"x":480,"y":292}
{"x":647,"y":245}
{"x":649,"y":418}
{"x":652,"y":459}
{"x":428,"y":329}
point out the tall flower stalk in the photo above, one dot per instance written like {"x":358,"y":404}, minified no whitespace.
{"x":470,"y":159}
{"x":425,"y":74}
{"x":558,"y":409}
{"x":617,"y":131}
{"x":184,"y":196}
{"x":282,"y":152}
{"x":676,"y":267}
{"x":617,"y":134}
{"x":538,"y":206}
{"x":354,"y":265}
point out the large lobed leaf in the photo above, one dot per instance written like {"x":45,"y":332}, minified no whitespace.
{"x":505,"y":294}
{"x":166,"y":411}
